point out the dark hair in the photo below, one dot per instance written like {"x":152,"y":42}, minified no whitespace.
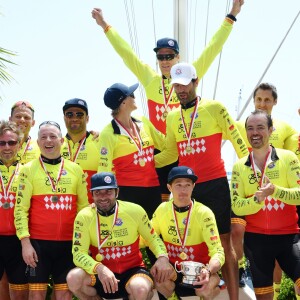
{"x":266,"y":86}
{"x":261,"y":112}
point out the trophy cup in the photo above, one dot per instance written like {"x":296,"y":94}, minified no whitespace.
{"x":190,"y":271}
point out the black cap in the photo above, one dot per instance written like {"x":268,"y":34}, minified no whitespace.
{"x":76,"y":102}
{"x":115,"y":94}
{"x":103,"y":180}
{"x":168,"y":43}
{"x":182,"y":172}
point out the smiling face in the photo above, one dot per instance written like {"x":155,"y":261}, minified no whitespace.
{"x":105,"y":199}
{"x":264,"y":100}
{"x":258,"y":133}
{"x":50,"y":141}
{"x":8,"y":153}
{"x":76,"y":120}
{"x":166,"y":65}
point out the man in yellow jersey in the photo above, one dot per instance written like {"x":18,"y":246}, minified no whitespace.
{"x":265,"y":98}
{"x":80,"y":145}
{"x":189,"y":231}
{"x":22,"y":113}
{"x":194,"y":133}
{"x":51,"y":190}
{"x":159,"y":92}
{"x":265,"y":189}
{"x":113,"y":228}
{"x":11,"y":260}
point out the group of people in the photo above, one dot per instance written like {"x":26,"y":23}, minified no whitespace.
{"x":81,"y":207}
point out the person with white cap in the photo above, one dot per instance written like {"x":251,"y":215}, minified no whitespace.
{"x":189,"y":231}
{"x":194,"y":133}
{"x":112,"y":229}
{"x":127,"y":149}
{"x":159,"y":92}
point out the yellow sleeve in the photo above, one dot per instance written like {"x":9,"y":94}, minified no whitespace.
{"x":170,"y":153}
{"x":292,"y":144}
{"x":213,"y":48}
{"x":107,"y":146}
{"x":23,"y":202}
{"x":81,"y":240}
{"x":241,"y":205}
{"x":229,"y":128}
{"x":82,"y":197}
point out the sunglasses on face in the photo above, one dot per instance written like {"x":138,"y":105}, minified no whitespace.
{"x":22,"y":103}
{"x":9,"y":143}
{"x":167,"y":57}
{"x":50,"y":123}
{"x":71,"y":114}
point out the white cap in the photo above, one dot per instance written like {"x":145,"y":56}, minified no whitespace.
{"x":183,"y":73}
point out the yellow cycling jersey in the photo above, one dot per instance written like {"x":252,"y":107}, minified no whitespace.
{"x":120,"y":251}
{"x":28,"y":151}
{"x":119,"y":153}
{"x":85,"y":153}
{"x":157,"y":86}
{"x":277,"y":214}
{"x":203,"y":155}
{"x":293,"y":144}
{"x":202,"y":242}
{"x":42,"y":213}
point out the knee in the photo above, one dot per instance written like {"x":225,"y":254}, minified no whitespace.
{"x":75,"y":279}
{"x":141,"y":292}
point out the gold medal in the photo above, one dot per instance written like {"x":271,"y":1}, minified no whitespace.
{"x":99,"y":257}
{"x":142,"y":162}
{"x":183,"y":255}
{"x":6,"y":205}
{"x":165,"y":114}
{"x":188,"y":149}
{"x":54,"y":198}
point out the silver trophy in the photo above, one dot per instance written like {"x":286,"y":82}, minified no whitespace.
{"x":190,"y":271}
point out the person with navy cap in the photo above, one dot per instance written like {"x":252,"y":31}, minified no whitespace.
{"x":80,"y":145}
{"x":127,"y":149}
{"x":190,"y":233}
{"x":111,"y":229}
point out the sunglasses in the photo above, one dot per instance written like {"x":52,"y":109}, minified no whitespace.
{"x":9,"y":143}
{"x":22,"y":103}
{"x":70,"y":114}
{"x":167,"y":57}
{"x":49,"y":123}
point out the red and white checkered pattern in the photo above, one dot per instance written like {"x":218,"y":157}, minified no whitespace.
{"x":64,"y":202}
{"x":197,"y":145}
{"x":115,"y":252}
{"x":271,"y":203}
{"x":147,"y":155}
{"x":174,"y":251}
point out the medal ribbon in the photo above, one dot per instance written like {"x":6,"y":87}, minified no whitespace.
{"x":166,"y":98}
{"x":138,"y":143}
{"x":188,"y":133}
{"x":101,"y":243}
{"x":53,"y":183}
{"x":183,"y":239}
{"x":7,"y":188}
{"x":26,"y":147}
{"x":77,"y":151}
{"x":260,"y":182}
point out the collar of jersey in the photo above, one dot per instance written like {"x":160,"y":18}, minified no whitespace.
{"x":190,"y":104}
{"x":87,"y":135}
{"x":107,"y":213}
{"x":54,"y":161}
{"x":182,"y":209}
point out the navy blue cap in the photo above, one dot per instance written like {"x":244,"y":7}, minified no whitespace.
{"x":115,"y":94}
{"x":168,"y":43}
{"x":76,"y":102}
{"x":103,"y":180}
{"x":182,"y":172}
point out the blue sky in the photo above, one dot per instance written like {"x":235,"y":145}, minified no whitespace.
{"x":63,"y":54}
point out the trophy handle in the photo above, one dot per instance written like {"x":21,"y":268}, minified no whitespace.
{"x":177,"y":264}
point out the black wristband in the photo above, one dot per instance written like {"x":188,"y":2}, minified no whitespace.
{"x":231,"y":17}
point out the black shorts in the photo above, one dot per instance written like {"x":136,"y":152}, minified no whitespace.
{"x":123,"y":280}
{"x":11,"y":260}
{"x":147,"y":197}
{"x":181,"y":290}
{"x":163,"y":176}
{"x":262,"y":251}
{"x":55,"y":258}
{"x":216,"y":195}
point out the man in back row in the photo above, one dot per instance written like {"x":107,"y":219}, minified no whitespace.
{"x":160,"y":97}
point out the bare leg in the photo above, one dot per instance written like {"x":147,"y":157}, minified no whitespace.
{"x":4,"y":290}
{"x":230,"y":268}
{"x":139,"y":288}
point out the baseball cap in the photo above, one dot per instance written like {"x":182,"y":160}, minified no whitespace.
{"x":167,"y":43}
{"x":183,"y":73}
{"x":76,"y":102}
{"x":103,"y":180}
{"x":115,"y":94}
{"x":181,"y":172}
